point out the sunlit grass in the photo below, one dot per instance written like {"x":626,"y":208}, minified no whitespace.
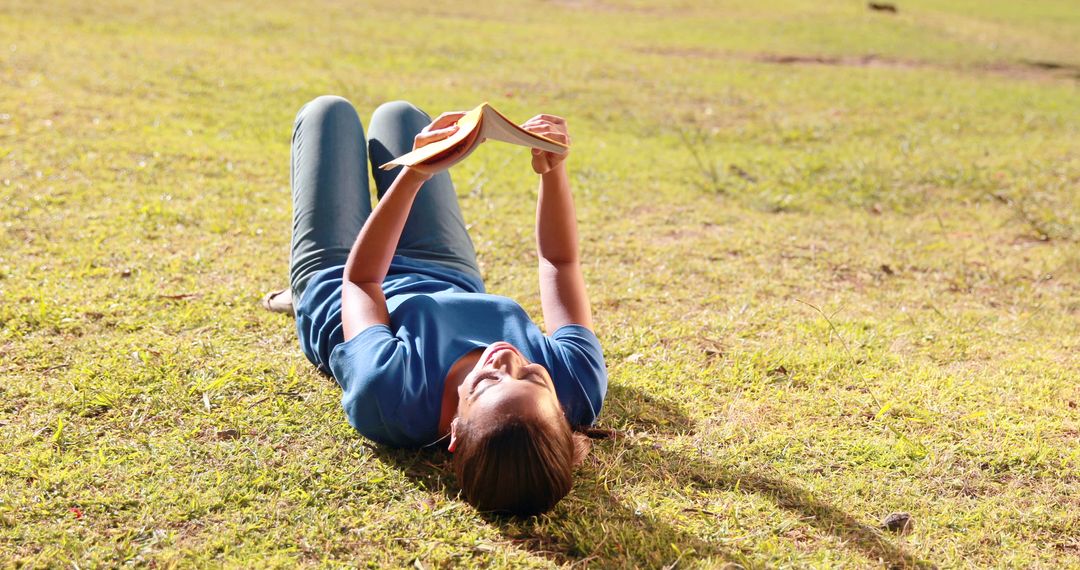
{"x":826,"y":291}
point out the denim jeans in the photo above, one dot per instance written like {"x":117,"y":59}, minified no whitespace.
{"x":332,"y":200}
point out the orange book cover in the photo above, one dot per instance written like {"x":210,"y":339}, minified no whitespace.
{"x":491,"y":124}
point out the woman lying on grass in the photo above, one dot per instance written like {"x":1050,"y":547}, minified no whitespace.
{"x":391,"y":303}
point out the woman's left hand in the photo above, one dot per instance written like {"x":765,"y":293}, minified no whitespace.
{"x":553,"y":128}
{"x":444,"y":126}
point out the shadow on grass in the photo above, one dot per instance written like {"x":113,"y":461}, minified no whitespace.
{"x":599,"y":524}
{"x":591,"y":526}
{"x":688,"y":470}
{"x":631,"y":410}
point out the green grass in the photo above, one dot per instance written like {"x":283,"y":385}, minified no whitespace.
{"x":862,"y":296}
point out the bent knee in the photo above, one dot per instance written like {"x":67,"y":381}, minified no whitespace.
{"x":327,"y":107}
{"x":399,"y":109}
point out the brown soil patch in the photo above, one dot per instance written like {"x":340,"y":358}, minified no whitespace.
{"x":1018,"y":69}
{"x":870,"y":60}
{"x":602,"y":6}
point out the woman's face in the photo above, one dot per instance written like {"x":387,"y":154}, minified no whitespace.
{"x":504,"y":381}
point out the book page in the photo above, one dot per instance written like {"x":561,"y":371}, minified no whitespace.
{"x":496,"y":126}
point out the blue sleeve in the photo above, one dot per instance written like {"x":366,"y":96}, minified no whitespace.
{"x":582,"y":391}
{"x":373,"y":370}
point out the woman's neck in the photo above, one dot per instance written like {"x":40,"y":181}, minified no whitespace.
{"x":454,"y":378}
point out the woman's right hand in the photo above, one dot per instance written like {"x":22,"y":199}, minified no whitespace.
{"x":554,"y":128}
{"x":444,"y":126}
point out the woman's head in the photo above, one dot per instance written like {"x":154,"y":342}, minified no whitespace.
{"x":513,"y":449}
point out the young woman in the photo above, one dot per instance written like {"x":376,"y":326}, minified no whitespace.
{"x":391,"y":303}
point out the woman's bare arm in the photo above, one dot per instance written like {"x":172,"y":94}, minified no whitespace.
{"x":363,"y":303}
{"x":562,"y":287}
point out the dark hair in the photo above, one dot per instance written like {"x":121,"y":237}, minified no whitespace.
{"x":515,"y":465}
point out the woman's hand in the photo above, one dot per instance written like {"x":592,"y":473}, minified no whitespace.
{"x":553,"y":128}
{"x":444,"y":126}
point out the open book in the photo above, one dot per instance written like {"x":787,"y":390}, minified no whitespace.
{"x":491,"y":124}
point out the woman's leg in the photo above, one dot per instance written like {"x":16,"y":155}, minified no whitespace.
{"x":331,"y":199}
{"x":435,"y":230}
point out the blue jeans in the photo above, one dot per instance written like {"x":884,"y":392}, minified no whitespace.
{"x":332,"y":200}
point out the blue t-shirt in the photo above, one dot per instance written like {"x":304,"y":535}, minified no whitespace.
{"x":392,"y":377}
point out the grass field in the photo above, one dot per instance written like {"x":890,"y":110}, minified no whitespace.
{"x":834,"y":257}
